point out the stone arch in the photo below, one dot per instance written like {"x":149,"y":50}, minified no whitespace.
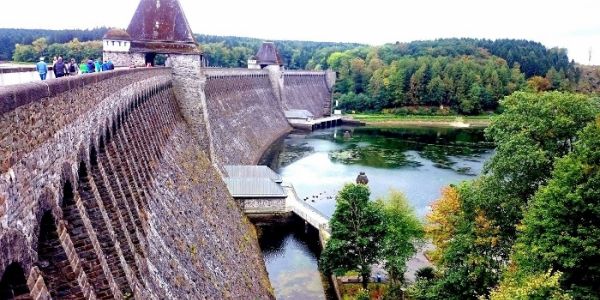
{"x":59,"y":276}
{"x":15,"y":248}
{"x":114,"y":125}
{"x":83,"y":156}
{"x":13,"y":284}
{"x":106,"y":131}
{"x":67,"y":177}
{"x":47,"y":203}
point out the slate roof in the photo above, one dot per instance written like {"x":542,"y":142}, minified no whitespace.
{"x":117,"y":34}
{"x":161,"y":26}
{"x":298,"y":114}
{"x":268,"y":55}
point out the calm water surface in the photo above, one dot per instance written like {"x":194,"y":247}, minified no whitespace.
{"x":416,"y":161}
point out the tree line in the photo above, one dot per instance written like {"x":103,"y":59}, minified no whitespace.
{"x":10,"y":37}
{"x":80,"y":51}
{"x":465,"y":76}
{"x":444,"y":76}
{"x":529,"y":227}
{"x":231,"y":51}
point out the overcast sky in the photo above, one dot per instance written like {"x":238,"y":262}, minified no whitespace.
{"x":572,"y":24}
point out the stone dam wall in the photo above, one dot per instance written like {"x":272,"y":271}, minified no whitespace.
{"x":245,"y":114}
{"x":307,"y":90}
{"x":105,"y":193}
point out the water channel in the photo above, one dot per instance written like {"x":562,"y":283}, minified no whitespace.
{"x":417,"y":161}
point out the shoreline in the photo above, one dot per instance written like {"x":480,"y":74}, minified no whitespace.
{"x":422,"y":121}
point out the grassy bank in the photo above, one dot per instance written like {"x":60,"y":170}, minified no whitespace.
{"x":413,"y":120}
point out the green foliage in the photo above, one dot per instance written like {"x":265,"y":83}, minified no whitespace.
{"x":535,"y":130}
{"x":468,"y":85}
{"x":539,"y":286}
{"x":10,"y":37}
{"x":363,"y":295}
{"x":427,"y":273}
{"x":229,"y":51}
{"x":403,"y":232}
{"x":357,"y":229}
{"x":394,"y":292}
{"x":80,"y":51}
{"x":25,"y":53}
{"x":561,"y":228}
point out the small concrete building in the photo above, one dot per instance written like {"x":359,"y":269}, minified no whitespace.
{"x":116,"y":41}
{"x":257,"y":189}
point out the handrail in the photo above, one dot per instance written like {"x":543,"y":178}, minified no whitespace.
{"x":297,"y":202}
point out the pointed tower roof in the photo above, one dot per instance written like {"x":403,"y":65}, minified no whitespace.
{"x":161,"y":26}
{"x":268,"y":55}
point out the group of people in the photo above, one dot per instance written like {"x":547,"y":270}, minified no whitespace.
{"x":62,"y":68}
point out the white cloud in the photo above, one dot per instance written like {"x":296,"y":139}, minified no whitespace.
{"x":569,"y":24}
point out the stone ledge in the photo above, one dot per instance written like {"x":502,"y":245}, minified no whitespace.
{"x":14,"y":96}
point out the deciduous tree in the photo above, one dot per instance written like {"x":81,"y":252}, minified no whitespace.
{"x":357,"y":230}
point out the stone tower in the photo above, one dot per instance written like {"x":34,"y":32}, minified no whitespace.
{"x":267,"y":56}
{"x":160,"y":27}
{"x":157,"y":27}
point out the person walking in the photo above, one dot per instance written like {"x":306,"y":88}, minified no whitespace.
{"x":83,"y":68}
{"x":98,"y":65}
{"x":110,"y":65}
{"x":42,"y":68}
{"x":105,"y":66}
{"x":91,"y":66}
{"x":72,"y":67}
{"x":60,"y":69}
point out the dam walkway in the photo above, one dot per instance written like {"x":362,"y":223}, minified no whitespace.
{"x":305,"y":211}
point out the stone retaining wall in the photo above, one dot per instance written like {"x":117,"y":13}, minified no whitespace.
{"x":104,"y":192}
{"x":244,"y":113}
{"x":308,"y":91}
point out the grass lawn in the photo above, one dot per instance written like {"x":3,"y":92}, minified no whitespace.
{"x":391,"y":119}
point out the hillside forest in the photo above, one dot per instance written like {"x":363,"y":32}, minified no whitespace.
{"x":439,"y":77}
{"x":529,"y":226}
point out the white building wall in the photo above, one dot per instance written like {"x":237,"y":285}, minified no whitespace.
{"x":116,"y":45}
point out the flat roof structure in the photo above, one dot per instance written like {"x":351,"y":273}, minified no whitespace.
{"x":254,"y":188}
{"x":249,"y":171}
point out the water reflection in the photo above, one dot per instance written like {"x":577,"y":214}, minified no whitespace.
{"x":291,"y":250}
{"x":416,"y":161}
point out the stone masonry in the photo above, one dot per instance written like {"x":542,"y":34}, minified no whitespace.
{"x":104,"y":193}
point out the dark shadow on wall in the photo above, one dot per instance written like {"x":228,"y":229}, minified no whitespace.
{"x":13,"y":284}
{"x":59,"y":277}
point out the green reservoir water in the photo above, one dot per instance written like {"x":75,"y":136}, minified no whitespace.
{"x":417,"y":161}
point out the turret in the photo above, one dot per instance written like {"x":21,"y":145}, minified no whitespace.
{"x":266,"y":56}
